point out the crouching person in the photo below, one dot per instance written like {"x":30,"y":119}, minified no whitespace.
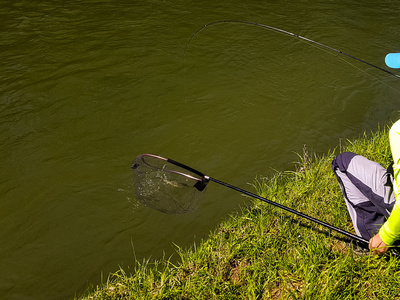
{"x":371,"y":193}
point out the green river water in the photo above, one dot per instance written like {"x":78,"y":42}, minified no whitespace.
{"x":86,"y":86}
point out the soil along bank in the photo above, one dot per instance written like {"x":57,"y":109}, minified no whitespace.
{"x":262,"y":252}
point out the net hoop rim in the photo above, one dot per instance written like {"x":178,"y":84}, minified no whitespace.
{"x":168,"y":170}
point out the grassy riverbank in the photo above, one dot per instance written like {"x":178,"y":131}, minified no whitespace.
{"x":263,"y":252}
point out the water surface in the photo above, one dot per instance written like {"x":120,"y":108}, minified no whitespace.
{"x":87,"y":86}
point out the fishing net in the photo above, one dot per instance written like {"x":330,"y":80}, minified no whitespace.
{"x":166,"y":185}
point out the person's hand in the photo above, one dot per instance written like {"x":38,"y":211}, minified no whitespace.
{"x":377,"y":246}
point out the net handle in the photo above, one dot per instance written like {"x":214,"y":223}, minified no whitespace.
{"x":357,"y":238}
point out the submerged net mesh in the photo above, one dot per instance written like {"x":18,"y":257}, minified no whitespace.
{"x":165,"y":186}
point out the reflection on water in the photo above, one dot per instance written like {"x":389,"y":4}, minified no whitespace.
{"x":86,"y":87}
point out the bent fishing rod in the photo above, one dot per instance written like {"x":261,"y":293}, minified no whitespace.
{"x":339,"y":52}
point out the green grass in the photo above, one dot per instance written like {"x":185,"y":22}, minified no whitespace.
{"x":263,"y":252}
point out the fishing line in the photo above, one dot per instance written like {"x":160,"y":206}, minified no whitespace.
{"x":312,"y":42}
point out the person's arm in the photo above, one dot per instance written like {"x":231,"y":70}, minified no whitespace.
{"x":390,"y":230}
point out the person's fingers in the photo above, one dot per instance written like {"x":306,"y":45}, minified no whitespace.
{"x":376,"y":245}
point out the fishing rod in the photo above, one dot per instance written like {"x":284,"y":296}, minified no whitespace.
{"x":299,"y":37}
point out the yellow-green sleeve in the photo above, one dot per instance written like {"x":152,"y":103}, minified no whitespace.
{"x":390,"y":230}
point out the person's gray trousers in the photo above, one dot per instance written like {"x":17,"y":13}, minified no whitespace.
{"x":367,"y":189}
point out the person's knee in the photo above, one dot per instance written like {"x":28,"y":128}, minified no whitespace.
{"x":342,"y":161}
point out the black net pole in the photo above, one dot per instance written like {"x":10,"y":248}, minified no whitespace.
{"x":357,"y":238}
